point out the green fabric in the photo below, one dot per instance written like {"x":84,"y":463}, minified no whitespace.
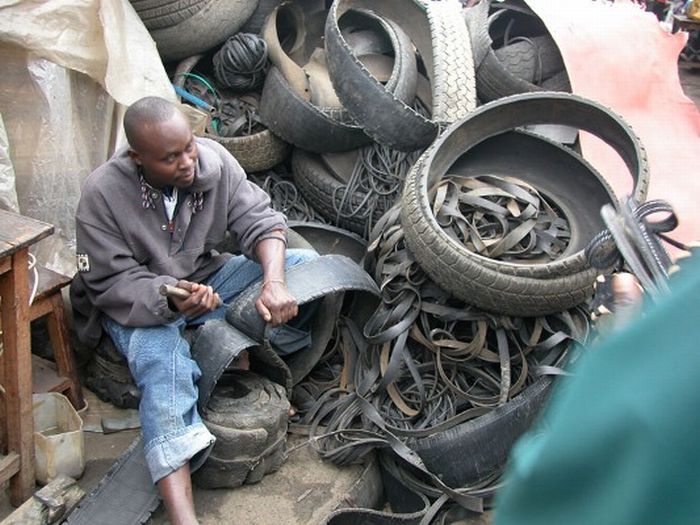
{"x":619,"y":442}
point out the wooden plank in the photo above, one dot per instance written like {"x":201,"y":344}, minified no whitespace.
{"x":17,"y":367}
{"x":45,"y":377}
{"x":5,"y":265}
{"x":50,"y":282}
{"x":9,"y":466}
{"x":39,"y":308}
{"x":18,"y":231}
{"x":685,"y":23}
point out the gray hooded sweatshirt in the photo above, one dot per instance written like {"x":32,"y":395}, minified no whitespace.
{"x":125,"y":249}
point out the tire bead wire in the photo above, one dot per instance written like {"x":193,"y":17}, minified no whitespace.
{"x":502,"y":218}
{"x":375,"y":183}
{"x":285,"y":197}
{"x":424,"y":363}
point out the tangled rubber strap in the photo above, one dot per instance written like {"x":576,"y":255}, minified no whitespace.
{"x":424,"y":363}
{"x":500,"y":217}
{"x":633,"y":240}
{"x":285,"y":197}
{"x":241,"y":62}
{"x":374,"y":185}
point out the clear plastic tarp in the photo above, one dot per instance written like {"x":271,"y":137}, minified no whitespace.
{"x":70,"y":67}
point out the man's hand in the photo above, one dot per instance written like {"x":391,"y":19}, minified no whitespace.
{"x":627,"y":296}
{"x":202,"y":299}
{"x":275,"y":304}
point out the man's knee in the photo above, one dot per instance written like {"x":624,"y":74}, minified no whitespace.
{"x":296,"y":256}
{"x":153,"y":350}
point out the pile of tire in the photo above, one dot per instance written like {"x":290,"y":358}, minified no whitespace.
{"x":453,"y":90}
{"x":247,"y":413}
{"x":341,"y":79}
{"x":108,"y":376}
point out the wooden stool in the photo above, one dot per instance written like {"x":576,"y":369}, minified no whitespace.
{"x":17,"y":234}
{"x":48,"y":301}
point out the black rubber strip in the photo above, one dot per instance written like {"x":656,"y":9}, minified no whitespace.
{"x":219,"y":343}
{"x":306,"y":282}
{"x":126,"y":494}
{"x":216,"y":346}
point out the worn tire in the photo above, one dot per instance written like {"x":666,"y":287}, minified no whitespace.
{"x":256,"y":21}
{"x":472,"y":451}
{"x":209,"y":26}
{"x":442,"y":41}
{"x":494,"y":78}
{"x":301,"y":123}
{"x":323,"y":278}
{"x":158,"y":14}
{"x":326,"y":239}
{"x":528,"y":60}
{"x":509,"y":288}
{"x":247,"y":414}
{"x":109,"y":377}
{"x":258,"y":152}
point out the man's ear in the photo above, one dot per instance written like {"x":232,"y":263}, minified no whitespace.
{"x":134,"y":155}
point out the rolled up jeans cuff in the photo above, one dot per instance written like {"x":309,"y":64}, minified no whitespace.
{"x":166,"y":454}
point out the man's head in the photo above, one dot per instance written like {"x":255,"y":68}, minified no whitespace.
{"x":161,"y":142}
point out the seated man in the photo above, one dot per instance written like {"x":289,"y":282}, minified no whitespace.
{"x":152,"y":215}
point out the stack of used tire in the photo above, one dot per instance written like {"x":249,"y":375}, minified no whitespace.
{"x":247,"y":413}
{"x":343,"y":85}
{"x":108,"y":376}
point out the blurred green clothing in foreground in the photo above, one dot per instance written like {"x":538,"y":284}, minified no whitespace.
{"x":619,"y":442}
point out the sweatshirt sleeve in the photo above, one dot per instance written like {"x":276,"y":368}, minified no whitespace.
{"x":116,"y":283}
{"x":250,"y":214}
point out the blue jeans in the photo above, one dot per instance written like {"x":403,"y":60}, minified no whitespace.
{"x":162,"y":367}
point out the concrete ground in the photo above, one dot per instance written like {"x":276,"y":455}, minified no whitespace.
{"x":303,"y":491}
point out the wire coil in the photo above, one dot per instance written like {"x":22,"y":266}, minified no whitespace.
{"x":241,"y":63}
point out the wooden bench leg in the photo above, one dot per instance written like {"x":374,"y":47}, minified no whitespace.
{"x":62,"y":354}
{"x":17,"y":377}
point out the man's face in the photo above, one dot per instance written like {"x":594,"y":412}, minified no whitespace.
{"x":167,"y":152}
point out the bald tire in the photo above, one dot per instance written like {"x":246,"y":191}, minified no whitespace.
{"x":157,"y":14}
{"x":247,"y":414}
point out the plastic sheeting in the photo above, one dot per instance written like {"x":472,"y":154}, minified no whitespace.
{"x":8,"y":195}
{"x":618,"y":55}
{"x":69,"y":69}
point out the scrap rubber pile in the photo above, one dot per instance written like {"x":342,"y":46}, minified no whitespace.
{"x":411,"y":134}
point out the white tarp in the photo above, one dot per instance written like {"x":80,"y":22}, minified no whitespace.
{"x":8,"y":195}
{"x":69,"y":69}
